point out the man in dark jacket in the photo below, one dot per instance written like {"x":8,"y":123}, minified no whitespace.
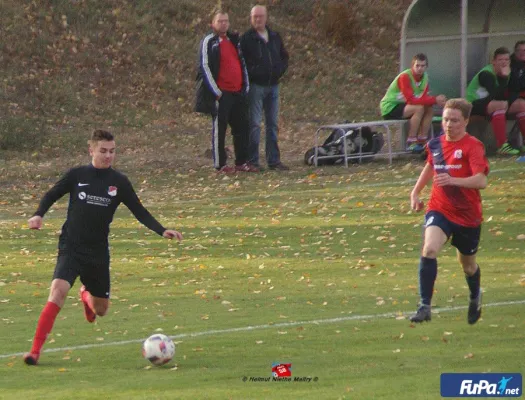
{"x":517,"y":69}
{"x":517,"y":86}
{"x":266,"y":61}
{"x":222,"y":86}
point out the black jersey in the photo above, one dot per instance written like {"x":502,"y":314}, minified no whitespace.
{"x":94,"y":195}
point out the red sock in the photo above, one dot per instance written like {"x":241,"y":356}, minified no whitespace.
{"x":499,"y":126}
{"x":521,"y":122}
{"x":44,"y":326}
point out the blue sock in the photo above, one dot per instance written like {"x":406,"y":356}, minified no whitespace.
{"x":427,"y":277}
{"x":474,"y":283}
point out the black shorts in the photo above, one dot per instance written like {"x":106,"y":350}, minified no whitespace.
{"x":396,"y":113}
{"x":479,"y":107}
{"x":464,"y":238}
{"x":91,"y":265}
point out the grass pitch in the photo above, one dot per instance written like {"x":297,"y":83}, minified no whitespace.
{"x":313,"y":268}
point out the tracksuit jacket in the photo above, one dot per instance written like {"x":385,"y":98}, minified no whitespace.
{"x":208,"y":72}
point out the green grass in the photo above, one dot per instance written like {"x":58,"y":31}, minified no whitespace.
{"x":322,"y":265}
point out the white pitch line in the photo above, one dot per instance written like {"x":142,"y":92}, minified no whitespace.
{"x":267,"y":326}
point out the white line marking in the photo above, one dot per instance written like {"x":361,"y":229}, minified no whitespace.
{"x":266,"y":326}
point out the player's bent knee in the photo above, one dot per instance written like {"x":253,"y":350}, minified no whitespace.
{"x":501,"y":106}
{"x":429,"y":252}
{"x":58,"y":292}
{"x":469,"y":266}
{"x":419,"y":110}
{"x":520,"y":105}
{"x":470,"y":270}
{"x":101,"y":310}
{"x":100,"y":306}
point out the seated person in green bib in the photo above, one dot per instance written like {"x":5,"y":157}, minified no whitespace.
{"x":408,"y":97}
{"x":489,"y":94}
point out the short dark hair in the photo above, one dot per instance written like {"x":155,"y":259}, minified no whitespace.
{"x":100,"y":135}
{"x":420,"y":57}
{"x":460,"y":104}
{"x":500,"y":51}
{"x":219,"y":11}
{"x":518,"y":44}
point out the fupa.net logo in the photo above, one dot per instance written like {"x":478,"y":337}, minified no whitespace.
{"x":481,"y":385}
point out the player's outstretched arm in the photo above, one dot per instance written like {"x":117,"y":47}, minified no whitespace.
{"x":131,"y":200}
{"x":171,"y":234}
{"x":35,"y":222}
{"x":60,"y":188}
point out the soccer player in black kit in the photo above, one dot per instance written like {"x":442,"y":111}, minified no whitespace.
{"x":95,"y":192}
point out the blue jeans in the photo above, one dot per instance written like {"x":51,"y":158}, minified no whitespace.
{"x":264,"y":98}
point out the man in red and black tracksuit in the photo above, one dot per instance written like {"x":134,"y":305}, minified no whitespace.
{"x":222,"y":88}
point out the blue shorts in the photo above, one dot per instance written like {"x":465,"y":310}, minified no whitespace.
{"x":465,"y":239}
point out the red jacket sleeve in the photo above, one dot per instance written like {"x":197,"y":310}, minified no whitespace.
{"x":406,"y":88}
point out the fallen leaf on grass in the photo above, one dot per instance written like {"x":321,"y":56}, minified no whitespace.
{"x":401,"y":335}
